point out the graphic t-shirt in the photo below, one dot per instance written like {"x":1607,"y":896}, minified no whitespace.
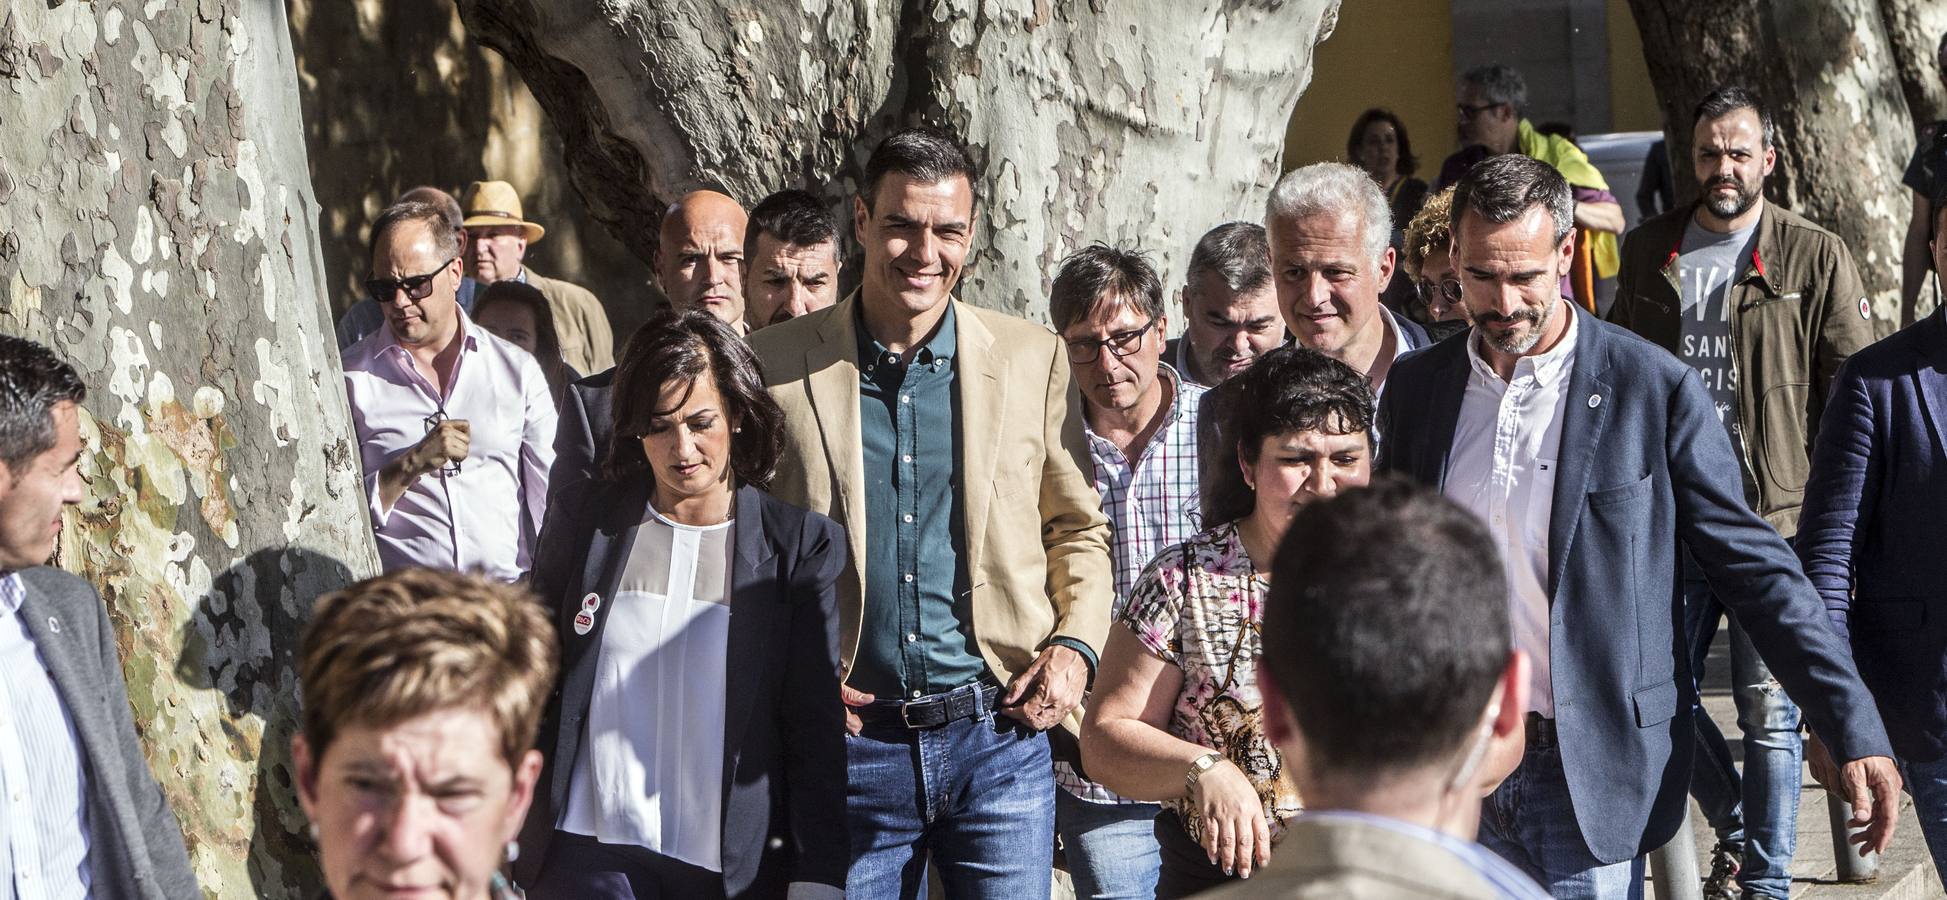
{"x":1707,"y":264}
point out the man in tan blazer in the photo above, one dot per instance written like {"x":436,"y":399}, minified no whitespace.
{"x":1392,"y":760}
{"x":947,"y":440}
{"x":497,"y":238}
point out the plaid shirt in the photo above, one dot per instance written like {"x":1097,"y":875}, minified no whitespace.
{"x":1152,"y":506}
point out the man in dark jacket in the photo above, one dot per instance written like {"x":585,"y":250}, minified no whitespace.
{"x":1765,"y":306}
{"x":1330,"y":229}
{"x":1871,"y":537}
{"x":1596,"y":458}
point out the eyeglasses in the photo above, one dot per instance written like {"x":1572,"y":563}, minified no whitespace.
{"x":417,"y":287}
{"x":1087,"y":350}
{"x":1472,"y":111}
{"x":1447,"y":291}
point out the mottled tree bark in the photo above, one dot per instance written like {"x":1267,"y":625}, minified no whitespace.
{"x":157,"y":228}
{"x":1829,"y":74}
{"x":1145,"y":122}
{"x":1914,"y":28}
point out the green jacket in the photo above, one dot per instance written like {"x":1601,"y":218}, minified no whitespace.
{"x":1799,"y":311}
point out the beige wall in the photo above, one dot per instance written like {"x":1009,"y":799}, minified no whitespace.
{"x":1399,"y":54}
{"x":1632,"y":101}
{"x":1392,"y":53}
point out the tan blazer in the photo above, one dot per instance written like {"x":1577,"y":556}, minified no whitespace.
{"x":1037,"y":549}
{"x":587,"y":342}
{"x":1336,"y":859}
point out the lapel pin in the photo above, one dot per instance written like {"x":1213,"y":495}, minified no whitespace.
{"x":1595,"y":400}
{"x":54,"y":624}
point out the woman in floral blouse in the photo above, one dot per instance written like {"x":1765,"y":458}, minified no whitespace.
{"x":1175,"y":717}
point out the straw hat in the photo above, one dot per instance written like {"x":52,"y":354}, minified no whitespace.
{"x":490,"y":203}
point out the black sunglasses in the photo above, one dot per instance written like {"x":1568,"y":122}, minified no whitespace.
{"x":417,"y":287}
{"x":1085,"y":351}
{"x":1472,"y":111}
{"x":1448,"y":289}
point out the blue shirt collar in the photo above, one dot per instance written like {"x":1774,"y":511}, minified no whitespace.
{"x":941,"y":347}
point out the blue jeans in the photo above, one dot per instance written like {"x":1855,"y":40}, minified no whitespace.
{"x":1927,"y":782}
{"x":1760,"y":810}
{"x":976,"y":795}
{"x":1530,"y":822}
{"x":1111,"y":847}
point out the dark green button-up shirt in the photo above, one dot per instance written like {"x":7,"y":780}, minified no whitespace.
{"x":916,"y":635}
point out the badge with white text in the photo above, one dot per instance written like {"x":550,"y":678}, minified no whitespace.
{"x":585,"y":620}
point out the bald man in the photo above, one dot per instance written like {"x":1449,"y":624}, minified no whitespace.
{"x":700,"y":255}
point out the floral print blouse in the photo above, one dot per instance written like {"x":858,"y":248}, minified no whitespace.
{"x":1198,"y":607}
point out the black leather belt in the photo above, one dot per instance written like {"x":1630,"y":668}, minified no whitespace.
{"x":933,"y":710}
{"x":1541,"y":733}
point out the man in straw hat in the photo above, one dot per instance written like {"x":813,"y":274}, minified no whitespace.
{"x":497,"y":239}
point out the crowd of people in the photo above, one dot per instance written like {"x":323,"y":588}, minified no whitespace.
{"x":809,"y":595}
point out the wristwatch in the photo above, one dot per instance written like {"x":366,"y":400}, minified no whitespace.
{"x":1199,"y":766}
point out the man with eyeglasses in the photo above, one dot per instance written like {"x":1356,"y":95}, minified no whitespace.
{"x":1140,"y":416}
{"x":455,"y":426}
{"x":1488,"y":118}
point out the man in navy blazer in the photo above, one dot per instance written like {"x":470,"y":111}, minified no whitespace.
{"x":1871,"y":535}
{"x":1594,"y":457}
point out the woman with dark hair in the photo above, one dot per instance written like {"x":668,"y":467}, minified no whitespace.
{"x":1378,"y":144}
{"x":696,"y":744}
{"x":519,"y":314}
{"x":1176,"y":716}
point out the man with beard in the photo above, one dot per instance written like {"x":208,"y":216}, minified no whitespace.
{"x":1765,"y":306}
{"x":1596,"y":459}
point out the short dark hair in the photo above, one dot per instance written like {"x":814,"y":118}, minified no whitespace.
{"x":793,"y":217}
{"x":32,"y":382}
{"x":1237,"y":252}
{"x":1731,"y":98}
{"x":1098,"y":273}
{"x":1385,"y":627}
{"x":922,"y":153}
{"x":673,"y":347}
{"x":1407,"y":163}
{"x":547,"y":343}
{"x":435,"y":220}
{"x":1291,"y":389}
{"x":1503,"y":188}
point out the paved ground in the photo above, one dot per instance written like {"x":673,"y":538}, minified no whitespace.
{"x":1905,"y":871}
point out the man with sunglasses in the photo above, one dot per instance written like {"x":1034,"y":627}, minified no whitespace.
{"x":1140,"y":416}
{"x":455,"y":426}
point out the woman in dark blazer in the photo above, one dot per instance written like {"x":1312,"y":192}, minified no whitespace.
{"x":695,"y":744}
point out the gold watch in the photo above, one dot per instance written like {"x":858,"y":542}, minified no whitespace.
{"x":1199,"y":766}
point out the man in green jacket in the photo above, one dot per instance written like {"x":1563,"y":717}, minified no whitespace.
{"x":1766,"y":306}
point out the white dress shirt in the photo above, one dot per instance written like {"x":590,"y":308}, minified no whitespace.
{"x":1502,"y":467}
{"x":43,"y":785}
{"x":485,"y":516}
{"x":650,"y":769}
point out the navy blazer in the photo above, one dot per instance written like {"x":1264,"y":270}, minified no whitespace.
{"x":1872,"y":531}
{"x":1645,"y":468}
{"x":784,"y":731}
{"x":581,"y":436}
